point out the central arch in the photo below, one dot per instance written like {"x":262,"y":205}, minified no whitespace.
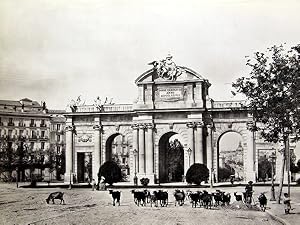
{"x":171,"y":158}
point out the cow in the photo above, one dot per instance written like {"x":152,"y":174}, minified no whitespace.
{"x":139,"y":197}
{"x":116,"y":195}
{"x":161,"y":196}
{"x":262,"y":201}
{"x":56,"y":195}
{"x":179,"y":197}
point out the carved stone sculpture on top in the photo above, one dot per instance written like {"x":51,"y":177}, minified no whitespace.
{"x":74,"y":104}
{"x":166,"y":68}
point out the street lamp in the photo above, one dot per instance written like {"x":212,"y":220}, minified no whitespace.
{"x":189,"y":151}
{"x":272,"y":158}
{"x":135,"y":179}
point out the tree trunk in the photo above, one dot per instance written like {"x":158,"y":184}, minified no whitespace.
{"x":282,"y":171}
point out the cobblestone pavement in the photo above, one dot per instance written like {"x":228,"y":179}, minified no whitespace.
{"x":83,"y":206}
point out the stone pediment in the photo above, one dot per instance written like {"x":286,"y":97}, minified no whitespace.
{"x":151,"y":76}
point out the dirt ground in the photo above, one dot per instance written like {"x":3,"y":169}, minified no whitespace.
{"x":84,"y":206}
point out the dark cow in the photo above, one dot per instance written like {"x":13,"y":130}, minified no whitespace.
{"x":262,"y":201}
{"x":162,"y":197}
{"x":116,"y":195}
{"x":56,"y":195}
{"x":238,"y":197}
{"x":139,"y":197}
{"x":179,"y":197}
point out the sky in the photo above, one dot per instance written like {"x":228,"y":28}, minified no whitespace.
{"x":56,"y":50}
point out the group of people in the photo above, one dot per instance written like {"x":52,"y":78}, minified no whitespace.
{"x":249,"y":192}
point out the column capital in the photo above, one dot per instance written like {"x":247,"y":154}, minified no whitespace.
{"x":135,"y":126}
{"x":251,"y":125}
{"x":97,"y":127}
{"x":142,"y":126}
{"x":190,"y":124}
{"x":199,"y":124}
{"x":69,"y":128}
{"x":149,"y":125}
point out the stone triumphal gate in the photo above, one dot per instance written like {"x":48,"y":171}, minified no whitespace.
{"x":171,"y":100}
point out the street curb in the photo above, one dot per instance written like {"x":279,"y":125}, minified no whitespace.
{"x":278,"y":219}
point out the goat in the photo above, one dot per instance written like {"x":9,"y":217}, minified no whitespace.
{"x":195,"y":198}
{"x":179,"y":197}
{"x":139,"y":197}
{"x":238,"y":197}
{"x":207,"y":199}
{"x":116,"y":195}
{"x":262,"y":201}
{"x":56,"y":195}
{"x":162,"y":196}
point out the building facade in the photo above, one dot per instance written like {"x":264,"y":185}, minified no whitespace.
{"x":25,"y":139}
{"x":172,"y":100}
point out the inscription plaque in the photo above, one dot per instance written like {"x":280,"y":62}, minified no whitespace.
{"x":170,"y":93}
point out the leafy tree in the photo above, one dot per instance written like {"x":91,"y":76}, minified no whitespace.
{"x":111,"y":172}
{"x":272,"y":94}
{"x":225,"y":173}
{"x":197,"y":173}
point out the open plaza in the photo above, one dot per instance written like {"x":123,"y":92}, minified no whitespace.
{"x":84,"y":206}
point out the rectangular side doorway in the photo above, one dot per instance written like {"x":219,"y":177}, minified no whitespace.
{"x":80,"y":167}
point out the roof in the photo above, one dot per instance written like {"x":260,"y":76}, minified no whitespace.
{"x":18,"y":103}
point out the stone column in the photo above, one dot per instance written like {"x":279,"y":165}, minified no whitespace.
{"x":97,"y":151}
{"x":209,"y":152}
{"x":69,"y":153}
{"x":135,"y":146}
{"x":250,"y":157}
{"x":150,"y":153}
{"x":141,"y":149}
{"x":199,"y":143}
{"x":191,"y":126}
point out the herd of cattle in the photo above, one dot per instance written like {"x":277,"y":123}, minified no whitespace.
{"x":201,"y":198}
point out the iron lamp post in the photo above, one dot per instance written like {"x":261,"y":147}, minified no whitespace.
{"x":135,"y":179}
{"x":272,"y":158}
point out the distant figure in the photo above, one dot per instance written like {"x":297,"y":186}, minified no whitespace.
{"x":102,"y":186}
{"x":93,"y":184}
{"x":232,"y":180}
{"x":287,"y":203}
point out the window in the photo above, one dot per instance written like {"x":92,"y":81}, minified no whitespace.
{"x":10,"y":121}
{"x":58,"y":149}
{"x":43,"y":133}
{"x":33,"y":134}
{"x":57,"y":126}
{"x":32,"y":122}
{"x":58,"y":138}
{"x":31,"y":145}
{"x":43,"y":145}
{"x":21,"y":132}
{"x":10,"y":133}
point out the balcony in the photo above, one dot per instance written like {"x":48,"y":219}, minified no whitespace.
{"x":43,"y":125}
{"x":43,"y":137}
{"x":21,"y":124}
{"x":11,"y":124}
{"x":32,"y":125}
